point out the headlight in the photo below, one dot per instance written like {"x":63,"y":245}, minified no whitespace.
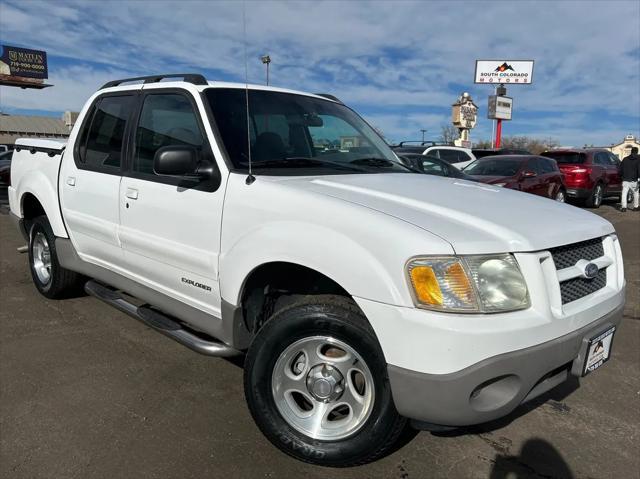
{"x":498,"y":184}
{"x":468,"y":284}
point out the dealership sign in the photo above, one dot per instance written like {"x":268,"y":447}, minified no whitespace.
{"x":504,"y":71}
{"x":24,"y":63}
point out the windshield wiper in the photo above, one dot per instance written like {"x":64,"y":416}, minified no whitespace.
{"x":303,"y":162}
{"x":376,"y":162}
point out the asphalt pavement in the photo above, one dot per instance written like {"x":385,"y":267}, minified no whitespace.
{"x":88,"y":392}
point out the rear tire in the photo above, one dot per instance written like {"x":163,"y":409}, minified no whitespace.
{"x":595,"y":199}
{"x":561,"y":196}
{"x":310,"y":400}
{"x":50,"y":279}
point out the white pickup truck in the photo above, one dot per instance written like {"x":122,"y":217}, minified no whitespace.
{"x":253,"y":220}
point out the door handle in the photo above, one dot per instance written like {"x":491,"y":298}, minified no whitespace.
{"x":132,"y":194}
{"x":71,"y":181}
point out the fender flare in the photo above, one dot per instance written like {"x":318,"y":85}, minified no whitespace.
{"x":36,"y":183}
{"x":340,"y":258}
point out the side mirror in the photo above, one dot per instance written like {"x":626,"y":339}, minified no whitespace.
{"x":176,"y":160}
{"x":528,"y":174}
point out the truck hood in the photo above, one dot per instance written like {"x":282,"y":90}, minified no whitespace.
{"x":474,"y":218}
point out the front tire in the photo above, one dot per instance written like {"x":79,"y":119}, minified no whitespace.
{"x":316,"y":384}
{"x":561,"y":196}
{"x":50,"y":279}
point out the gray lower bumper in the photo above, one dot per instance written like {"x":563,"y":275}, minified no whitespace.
{"x":496,"y":386}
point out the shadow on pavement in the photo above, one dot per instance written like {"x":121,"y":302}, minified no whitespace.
{"x":537,"y":458}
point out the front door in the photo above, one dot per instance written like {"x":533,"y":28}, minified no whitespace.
{"x":89,"y":185}
{"x":170,"y":226}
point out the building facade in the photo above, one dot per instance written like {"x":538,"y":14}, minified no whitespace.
{"x":624,"y":149}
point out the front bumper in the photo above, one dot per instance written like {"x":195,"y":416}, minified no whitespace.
{"x":495,"y":386}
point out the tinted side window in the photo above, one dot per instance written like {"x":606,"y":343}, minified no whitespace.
{"x":433,"y":168}
{"x":546,"y":166}
{"x":165,"y":120}
{"x":613,"y":159}
{"x":102,"y":139}
{"x":601,"y":159}
{"x":534,"y":165}
{"x":450,"y":156}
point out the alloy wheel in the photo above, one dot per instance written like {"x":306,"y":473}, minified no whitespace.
{"x":323,"y":388}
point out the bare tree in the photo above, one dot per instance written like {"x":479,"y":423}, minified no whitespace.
{"x":532,"y":145}
{"x":448,"y":133}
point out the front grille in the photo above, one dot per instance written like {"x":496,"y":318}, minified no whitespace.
{"x":577,"y":288}
{"x":568,"y":255}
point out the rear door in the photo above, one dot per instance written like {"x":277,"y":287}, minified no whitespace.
{"x":89,"y":184}
{"x":170,"y":226}
{"x":613,"y":174}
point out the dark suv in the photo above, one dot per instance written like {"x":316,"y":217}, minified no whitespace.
{"x":590,"y":174}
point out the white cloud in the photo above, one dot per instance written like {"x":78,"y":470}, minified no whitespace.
{"x":390,"y":59}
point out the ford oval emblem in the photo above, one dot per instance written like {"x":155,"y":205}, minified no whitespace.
{"x":591,"y":270}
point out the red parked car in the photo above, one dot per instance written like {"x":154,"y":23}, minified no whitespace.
{"x":532,"y":174}
{"x":590,"y":174}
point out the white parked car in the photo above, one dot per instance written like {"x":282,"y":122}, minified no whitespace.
{"x":363,"y":294}
{"x":455,"y":155}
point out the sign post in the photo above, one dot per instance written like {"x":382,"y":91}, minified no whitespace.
{"x":464,"y":114}
{"x":500,"y":72}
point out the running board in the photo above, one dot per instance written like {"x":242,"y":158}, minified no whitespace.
{"x":159,"y":322}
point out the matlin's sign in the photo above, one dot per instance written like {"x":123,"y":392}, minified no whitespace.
{"x":24,"y":63}
{"x":513,"y":72}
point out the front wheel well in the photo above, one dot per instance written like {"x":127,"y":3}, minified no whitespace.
{"x":272,"y":286}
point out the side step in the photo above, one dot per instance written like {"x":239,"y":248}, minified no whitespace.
{"x":159,"y":322}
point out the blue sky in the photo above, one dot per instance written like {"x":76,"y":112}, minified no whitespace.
{"x":400,"y":64}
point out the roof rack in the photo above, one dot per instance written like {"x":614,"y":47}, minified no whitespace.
{"x":329,"y":96}
{"x":424,"y":143}
{"x":194,"y":78}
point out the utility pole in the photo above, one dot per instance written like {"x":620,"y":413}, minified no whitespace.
{"x":423,"y":132}
{"x":266,"y":59}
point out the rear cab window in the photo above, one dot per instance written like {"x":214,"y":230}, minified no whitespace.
{"x":101,"y":145}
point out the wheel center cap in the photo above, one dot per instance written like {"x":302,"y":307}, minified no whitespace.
{"x":325,"y":383}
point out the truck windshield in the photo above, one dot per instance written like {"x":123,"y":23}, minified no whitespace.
{"x":289,"y":133}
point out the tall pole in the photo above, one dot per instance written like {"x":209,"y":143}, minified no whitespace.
{"x":266,"y":59}
{"x":423,"y":132}
{"x":500,"y":91}
{"x":498,"y":133}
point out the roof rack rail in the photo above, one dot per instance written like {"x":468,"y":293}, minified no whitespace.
{"x":425,"y":143}
{"x":194,"y":78}
{"x":330,"y":97}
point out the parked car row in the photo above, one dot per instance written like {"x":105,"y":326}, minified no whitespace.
{"x":5,"y":167}
{"x":584,"y":176}
{"x":531,"y":174}
{"x":590,"y":175}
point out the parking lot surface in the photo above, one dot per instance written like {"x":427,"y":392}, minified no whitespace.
{"x":88,"y":392}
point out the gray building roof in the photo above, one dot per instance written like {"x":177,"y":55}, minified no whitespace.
{"x":39,"y":125}
{"x":13,"y":127}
